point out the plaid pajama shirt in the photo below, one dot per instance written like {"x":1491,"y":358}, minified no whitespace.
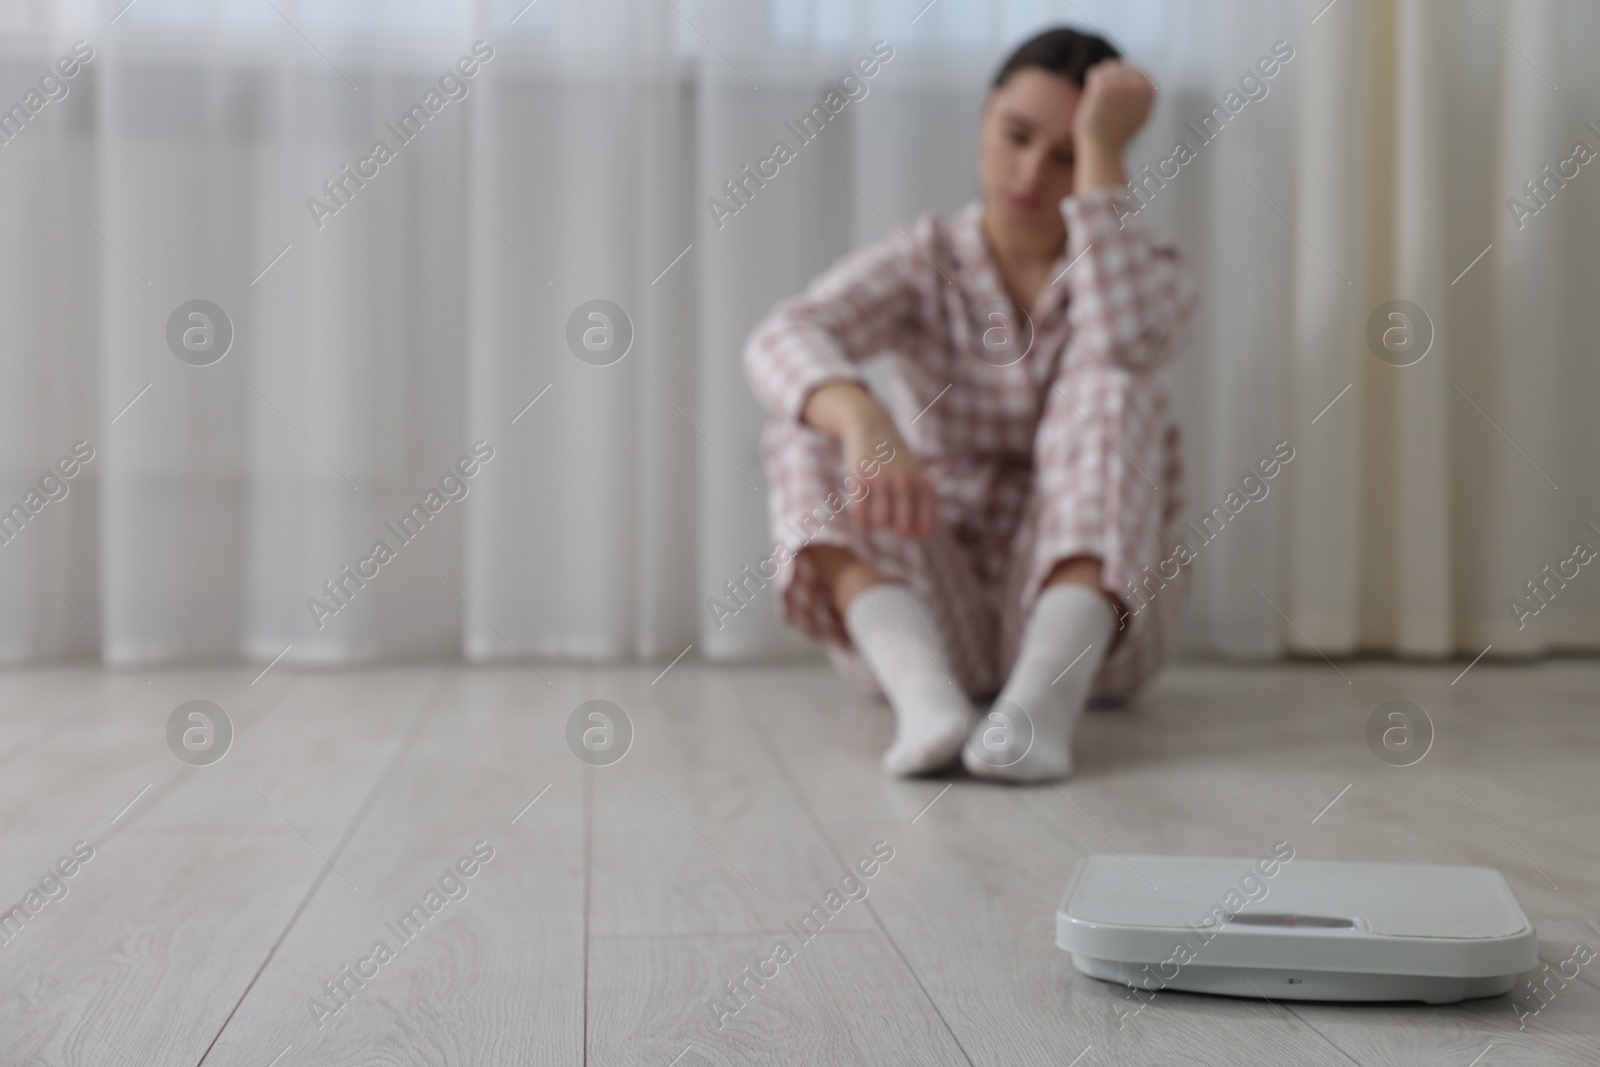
{"x":1069,"y":450}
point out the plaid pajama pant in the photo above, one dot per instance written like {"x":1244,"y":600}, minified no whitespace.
{"x":1045,"y":435}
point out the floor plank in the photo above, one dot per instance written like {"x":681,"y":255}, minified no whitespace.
{"x":844,"y":997}
{"x":496,"y":976}
{"x":690,"y":835}
{"x":164,"y":930}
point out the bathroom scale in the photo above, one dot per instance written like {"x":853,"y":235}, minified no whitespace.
{"x":1308,"y":930}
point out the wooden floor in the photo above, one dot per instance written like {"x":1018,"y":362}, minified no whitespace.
{"x":615,"y":908}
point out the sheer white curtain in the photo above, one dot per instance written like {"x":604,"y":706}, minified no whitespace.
{"x":375,"y":345}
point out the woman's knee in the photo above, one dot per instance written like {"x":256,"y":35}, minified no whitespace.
{"x":1108,"y":416}
{"x":1117,"y":388}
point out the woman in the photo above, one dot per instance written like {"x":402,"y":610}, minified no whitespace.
{"x":1025,"y":475}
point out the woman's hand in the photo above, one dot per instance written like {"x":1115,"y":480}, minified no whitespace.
{"x":1116,"y":99}
{"x":898,"y":494}
{"x":1115,"y":102}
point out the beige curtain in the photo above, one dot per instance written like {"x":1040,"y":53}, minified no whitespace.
{"x":1427,"y":497}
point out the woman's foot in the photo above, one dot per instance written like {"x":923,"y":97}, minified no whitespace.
{"x":894,"y":632}
{"x":1027,"y":734}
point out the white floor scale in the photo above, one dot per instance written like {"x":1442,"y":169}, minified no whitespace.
{"x":1308,"y":930}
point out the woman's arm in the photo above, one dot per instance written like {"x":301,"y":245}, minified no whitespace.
{"x":865,"y":303}
{"x":1116,"y":98}
{"x":1131,"y":294}
{"x":899,"y":495}
{"x":803,"y":363}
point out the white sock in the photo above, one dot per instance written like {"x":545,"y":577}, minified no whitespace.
{"x":895,"y":633}
{"x":1071,"y":626}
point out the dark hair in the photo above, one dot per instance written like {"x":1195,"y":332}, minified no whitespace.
{"x":1061,"y":51}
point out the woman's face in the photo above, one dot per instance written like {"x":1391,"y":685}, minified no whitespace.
{"x":1025,"y":152}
